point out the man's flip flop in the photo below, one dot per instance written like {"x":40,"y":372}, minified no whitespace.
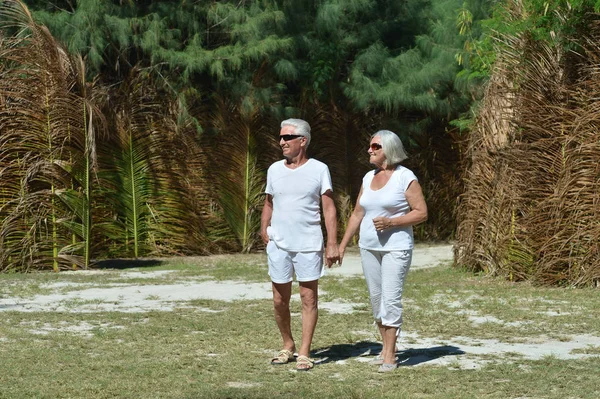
{"x":283,"y":357}
{"x":304,"y":363}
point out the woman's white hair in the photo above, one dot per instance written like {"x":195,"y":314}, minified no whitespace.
{"x":302,"y":128}
{"x":392,"y":147}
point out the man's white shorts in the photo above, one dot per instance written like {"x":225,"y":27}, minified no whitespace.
{"x":308,"y":266}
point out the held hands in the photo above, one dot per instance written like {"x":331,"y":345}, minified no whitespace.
{"x":381,"y":223}
{"x":332,"y":255}
{"x":342,"y":251}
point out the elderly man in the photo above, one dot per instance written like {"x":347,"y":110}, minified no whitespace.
{"x":291,"y":228}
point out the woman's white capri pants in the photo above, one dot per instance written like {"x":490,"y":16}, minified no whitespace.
{"x":385,"y":273}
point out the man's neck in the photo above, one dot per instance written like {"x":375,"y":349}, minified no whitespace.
{"x":296,"y":162}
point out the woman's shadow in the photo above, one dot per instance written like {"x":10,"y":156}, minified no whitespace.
{"x":407,"y":357}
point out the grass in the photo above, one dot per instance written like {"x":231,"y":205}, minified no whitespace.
{"x":220,"y":349}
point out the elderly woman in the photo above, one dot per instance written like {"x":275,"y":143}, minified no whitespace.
{"x":390,"y":202}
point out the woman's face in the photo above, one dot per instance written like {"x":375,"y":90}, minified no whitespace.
{"x":376,"y":155}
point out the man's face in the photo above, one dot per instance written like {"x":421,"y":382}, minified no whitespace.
{"x":290,"y":143}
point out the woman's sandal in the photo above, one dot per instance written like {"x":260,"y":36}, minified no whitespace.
{"x":283,"y":357}
{"x":387,"y":367}
{"x":304,"y":363}
{"x":377,"y":361}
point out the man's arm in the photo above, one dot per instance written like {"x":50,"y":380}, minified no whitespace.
{"x":265,"y":218}
{"x":330,"y":215}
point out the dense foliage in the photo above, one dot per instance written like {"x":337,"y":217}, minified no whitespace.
{"x":530,"y":209}
{"x":394,"y":56}
{"x":173,"y":109}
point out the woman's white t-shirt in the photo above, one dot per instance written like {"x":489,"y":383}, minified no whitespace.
{"x":296,"y":220}
{"x":389,"y":201}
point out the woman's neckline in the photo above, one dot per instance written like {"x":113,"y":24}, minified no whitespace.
{"x":389,"y":176}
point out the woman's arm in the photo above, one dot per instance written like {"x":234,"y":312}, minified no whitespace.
{"x":353,"y":225}
{"x":417,"y":214}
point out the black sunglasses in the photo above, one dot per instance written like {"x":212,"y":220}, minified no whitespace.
{"x":288,"y":137}
{"x":375,"y":146}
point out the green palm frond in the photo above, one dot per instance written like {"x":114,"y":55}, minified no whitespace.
{"x":141,"y":172}
{"x":239,"y":150}
{"x":131,"y":186}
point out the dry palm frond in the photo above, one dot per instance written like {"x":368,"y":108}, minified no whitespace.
{"x":531,"y":205}
{"x":437,"y":162}
{"x":238,"y":148}
{"x":140,"y":172}
{"x":340,"y":139}
{"x":40,"y":118}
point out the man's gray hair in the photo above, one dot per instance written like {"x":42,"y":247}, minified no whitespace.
{"x":392,"y":147}
{"x":302,"y":128}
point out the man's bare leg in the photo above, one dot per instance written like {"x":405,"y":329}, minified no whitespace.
{"x":281,"y":306}
{"x":310,"y":313}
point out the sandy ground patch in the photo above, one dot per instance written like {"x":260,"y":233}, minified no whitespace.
{"x":465,"y":352}
{"x":131,"y":298}
{"x":83,"y":328}
{"x":136,"y":298}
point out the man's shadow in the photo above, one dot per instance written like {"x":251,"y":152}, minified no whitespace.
{"x":408,"y":357}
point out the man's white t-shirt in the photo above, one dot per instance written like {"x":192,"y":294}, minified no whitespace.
{"x":389,"y":201}
{"x":296,"y":220}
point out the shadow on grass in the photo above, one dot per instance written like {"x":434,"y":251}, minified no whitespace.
{"x":409,"y":357}
{"x":122,"y":264}
{"x":412,"y":357}
{"x":346,"y":351}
